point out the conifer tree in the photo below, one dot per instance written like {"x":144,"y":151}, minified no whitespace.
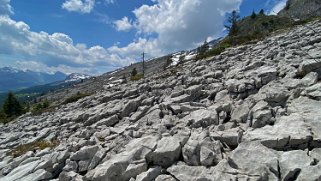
{"x":262,"y":12}
{"x":134,"y":72}
{"x":3,"y":116}
{"x":202,"y":49}
{"x":232,"y":27}
{"x":11,"y":106}
{"x":253,"y":16}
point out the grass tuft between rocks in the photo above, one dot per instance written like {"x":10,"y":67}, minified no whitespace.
{"x":75,"y":97}
{"x":37,"y":145}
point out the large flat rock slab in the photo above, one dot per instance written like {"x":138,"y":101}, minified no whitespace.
{"x":289,"y":132}
{"x":310,"y":110}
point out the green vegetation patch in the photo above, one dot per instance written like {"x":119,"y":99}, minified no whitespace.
{"x":250,"y":30}
{"x":41,"y":108}
{"x":218,"y":49}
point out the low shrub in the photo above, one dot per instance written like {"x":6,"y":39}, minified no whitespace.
{"x":217,"y":49}
{"x":41,"y":107}
{"x":136,"y":77}
{"x":41,"y":111}
{"x":3,"y":117}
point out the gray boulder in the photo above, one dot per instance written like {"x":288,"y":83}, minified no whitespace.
{"x":309,"y":109}
{"x":291,"y":163}
{"x":312,"y":172}
{"x":165,"y":178}
{"x":37,"y":175}
{"x":194,"y":91}
{"x":21,"y":171}
{"x":275,"y":93}
{"x":262,"y":161}
{"x":202,"y":118}
{"x":111,"y":121}
{"x":267,"y":74}
{"x":189,"y":173}
{"x":200,"y":149}
{"x":149,"y":175}
{"x":181,"y":98}
{"x":134,"y":169}
{"x":288,"y":132}
{"x":240,"y":113}
{"x":85,"y":153}
{"x":70,"y":166}
{"x":130,"y":107}
{"x":115,"y":169}
{"x":313,"y":91}
{"x":99,"y":155}
{"x":260,"y":115}
{"x":308,"y":66}
{"x":167,"y":152}
{"x":210,"y":152}
{"x":70,"y":176}
{"x":229,"y":137}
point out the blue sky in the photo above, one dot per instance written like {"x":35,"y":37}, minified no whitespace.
{"x":96,"y":36}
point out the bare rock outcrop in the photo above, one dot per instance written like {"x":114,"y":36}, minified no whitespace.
{"x":250,"y":113}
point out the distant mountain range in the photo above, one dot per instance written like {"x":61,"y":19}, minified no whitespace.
{"x":15,"y":79}
{"x":28,"y":84}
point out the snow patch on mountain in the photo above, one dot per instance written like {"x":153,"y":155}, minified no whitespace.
{"x":76,"y":77}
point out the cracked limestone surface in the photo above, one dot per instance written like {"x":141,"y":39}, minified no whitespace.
{"x":250,"y":113}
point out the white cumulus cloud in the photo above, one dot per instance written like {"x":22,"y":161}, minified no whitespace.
{"x":123,"y":24}
{"x":81,"y":6}
{"x":172,"y":25}
{"x":54,"y":51}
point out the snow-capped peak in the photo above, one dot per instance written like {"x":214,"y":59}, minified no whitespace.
{"x":76,"y":77}
{"x":9,"y":70}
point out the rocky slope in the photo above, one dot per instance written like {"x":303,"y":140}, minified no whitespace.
{"x":301,"y":9}
{"x":251,"y":113}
